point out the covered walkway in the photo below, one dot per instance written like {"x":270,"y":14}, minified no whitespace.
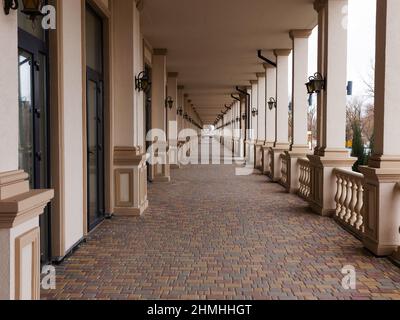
{"x":205,"y":237}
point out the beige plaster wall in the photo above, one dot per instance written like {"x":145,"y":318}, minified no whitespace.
{"x":73,"y":153}
{"x":123,"y":73}
{"x":8,"y":92}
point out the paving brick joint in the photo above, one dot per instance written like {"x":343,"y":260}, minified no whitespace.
{"x":212,"y":235}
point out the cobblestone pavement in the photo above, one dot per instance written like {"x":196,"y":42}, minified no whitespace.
{"x":212,"y":235}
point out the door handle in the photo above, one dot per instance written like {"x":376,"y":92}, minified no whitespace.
{"x":38,"y":156}
{"x":37,"y":112}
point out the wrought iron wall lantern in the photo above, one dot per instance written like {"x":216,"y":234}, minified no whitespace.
{"x":271,"y":103}
{"x":185,"y":116}
{"x":142,"y":82}
{"x":180,"y":112}
{"x":237,"y":119}
{"x":31,"y":8}
{"x":244,"y":116}
{"x":169,"y":102}
{"x":315,"y":84}
{"x":254,"y":112}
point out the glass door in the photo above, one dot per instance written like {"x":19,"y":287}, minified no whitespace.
{"x":95,"y":154}
{"x":95,"y":118}
{"x":33,"y":121}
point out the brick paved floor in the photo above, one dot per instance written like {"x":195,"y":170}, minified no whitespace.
{"x":205,"y":236}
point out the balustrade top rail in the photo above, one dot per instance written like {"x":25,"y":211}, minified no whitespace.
{"x":303,"y":161}
{"x":349,"y":173}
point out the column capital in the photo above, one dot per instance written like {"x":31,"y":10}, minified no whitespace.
{"x":319,"y":5}
{"x":268,"y":66}
{"x":282,"y":52}
{"x":160,"y":52}
{"x":260,"y":74}
{"x":300,"y":33}
{"x":173,"y":74}
{"x":253,"y":82}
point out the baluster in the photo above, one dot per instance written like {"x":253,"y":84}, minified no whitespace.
{"x":353,"y":205}
{"x":343,"y":197}
{"x":349,"y":194}
{"x":338,"y":193}
{"x":359,"y":224}
{"x":308,"y":180}
{"x":301,"y":180}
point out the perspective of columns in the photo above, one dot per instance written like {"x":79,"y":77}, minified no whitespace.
{"x":199,"y":150}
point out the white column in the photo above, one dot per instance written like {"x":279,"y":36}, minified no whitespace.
{"x":281,"y":143}
{"x":382,"y":194}
{"x":270,"y":74}
{"x":330,"y":152}
{"x":254,"y":105}
{"x":180,"y":106}
{"x":159,"y":94}
{"x":159,"y":172}
{"x":172,"y":128}
{"x":271,"y":113}
{"x":299,"y":94}
{"x":261,"y":107}
{"x":299,"y":147}
{"x":172,"y":91}
{"x":333,"y":67}
{"x":282,"y":98}
{"x":249,"y":134}
{"x":258,"y":148}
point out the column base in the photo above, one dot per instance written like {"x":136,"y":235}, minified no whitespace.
{"x":258,"y":155}
{"x":164,"y":179}
{"x":266,"y":158}
{"x":323,"y":181}
{"x":275,"y":152}
{"x":293,"y":169}
{"x":134,"y":212}
{"x":249,"y":152}
{"x":381,"y":209}
{"x":130,"y":182}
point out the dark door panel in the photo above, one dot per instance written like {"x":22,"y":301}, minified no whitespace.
{"x":95,"y":119}
{"x":33,"y":122}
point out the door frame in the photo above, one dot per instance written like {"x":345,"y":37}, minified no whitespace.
{"x":32,"y":45}
{"x":104,"y":13}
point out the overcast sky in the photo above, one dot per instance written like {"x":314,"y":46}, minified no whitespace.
{"x":361,"y":44}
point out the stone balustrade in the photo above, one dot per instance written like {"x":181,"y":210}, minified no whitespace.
{"x":350,"y":200}
{"x":284,"y":170}
{"x":304,"y":178}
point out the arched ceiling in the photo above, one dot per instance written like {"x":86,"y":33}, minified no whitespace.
{"x":213,"y":44}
